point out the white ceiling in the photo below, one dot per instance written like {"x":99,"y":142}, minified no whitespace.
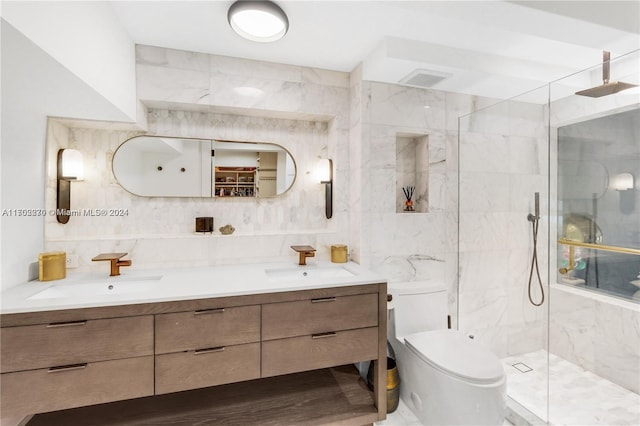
{"x":490,"y":48}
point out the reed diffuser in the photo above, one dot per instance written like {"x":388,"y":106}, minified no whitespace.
{"x":408,"y":194}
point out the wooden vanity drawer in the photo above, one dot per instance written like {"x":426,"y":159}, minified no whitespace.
{"x":39,"y":346}
{"x":207,"y":367}
{"x":42,"y":390}
{"x":299,"y":318}
{"x":207,"y":328}
{"x":284,"y":356}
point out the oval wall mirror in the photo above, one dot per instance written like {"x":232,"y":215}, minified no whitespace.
{"x":157,"y":166}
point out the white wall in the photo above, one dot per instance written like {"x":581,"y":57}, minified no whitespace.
{"x":34,"y":86}
{"x":86,"y":38}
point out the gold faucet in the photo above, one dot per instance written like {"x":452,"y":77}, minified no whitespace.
{"x":304,"y":252}
{"x":116,"y":263}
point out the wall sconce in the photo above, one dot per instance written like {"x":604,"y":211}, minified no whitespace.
{"x":325,"y":176}
{"x":70,"y":168}
{"x":624,"y":183}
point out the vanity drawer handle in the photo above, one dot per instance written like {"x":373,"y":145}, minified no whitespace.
{"x":208,"y":350}
{"x":66,"y":324}
{"x":209,"y":311}
{"x":323,"y":299}
{"x":70,"y":367}
{"x":324,"y":335}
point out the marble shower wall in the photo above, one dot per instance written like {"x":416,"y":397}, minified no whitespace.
{"x":504,"y":158}
{"x":503,"y":161}
{"x":596,"y":333}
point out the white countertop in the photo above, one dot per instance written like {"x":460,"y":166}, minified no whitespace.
{"x":147,"y":286}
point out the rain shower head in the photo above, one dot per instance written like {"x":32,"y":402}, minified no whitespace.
{"x":607,"y":88}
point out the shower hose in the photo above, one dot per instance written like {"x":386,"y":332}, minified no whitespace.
{"x":534,"y":262}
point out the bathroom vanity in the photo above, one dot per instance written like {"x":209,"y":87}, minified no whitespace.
{"x":280,"y":333}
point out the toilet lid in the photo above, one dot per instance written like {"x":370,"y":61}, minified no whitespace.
{"x":455,"y":353}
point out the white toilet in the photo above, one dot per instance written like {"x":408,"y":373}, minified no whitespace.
{"x":446,"y":378}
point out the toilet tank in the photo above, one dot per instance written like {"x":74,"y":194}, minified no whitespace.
{"x":418,"y":306}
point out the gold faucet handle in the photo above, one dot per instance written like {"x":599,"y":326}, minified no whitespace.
{"x":116,"y":263}
{"x":304,"y":251}
{"x":303,"y":248}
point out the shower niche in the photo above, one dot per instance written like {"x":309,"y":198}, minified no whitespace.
{"x":412,"y":173}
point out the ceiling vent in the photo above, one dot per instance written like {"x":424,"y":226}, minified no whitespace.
{"x":424,"y":78}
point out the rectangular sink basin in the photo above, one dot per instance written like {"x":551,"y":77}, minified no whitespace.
{"x":308,"y":272}
{"x":99,"y":289}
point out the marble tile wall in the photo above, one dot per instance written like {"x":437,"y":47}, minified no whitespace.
{"x":207,"y":96}
{"x":406,"y":246}
{"x":597,"y":334}
{"x":503,"y":161}
{"x":160,"y":230}
{"x":198,"y":79}
{"x":357,"y":203}
{"x":178,"y":80}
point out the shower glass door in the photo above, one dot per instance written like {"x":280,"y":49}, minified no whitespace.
{"x":503,"y":294}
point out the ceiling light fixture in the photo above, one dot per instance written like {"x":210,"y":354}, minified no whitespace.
{"x":262,"y":21}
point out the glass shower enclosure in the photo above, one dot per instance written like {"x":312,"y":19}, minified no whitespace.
{"x":549,"y":246}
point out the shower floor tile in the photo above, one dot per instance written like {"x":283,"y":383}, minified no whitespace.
{"x":578,"y":397}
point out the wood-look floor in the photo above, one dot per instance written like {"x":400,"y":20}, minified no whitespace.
{"x":334,"y":396}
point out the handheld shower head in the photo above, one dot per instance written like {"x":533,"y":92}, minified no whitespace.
{"x":606,"y":88}
{"x":535,"y":222}
{"x":531,"y":217}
